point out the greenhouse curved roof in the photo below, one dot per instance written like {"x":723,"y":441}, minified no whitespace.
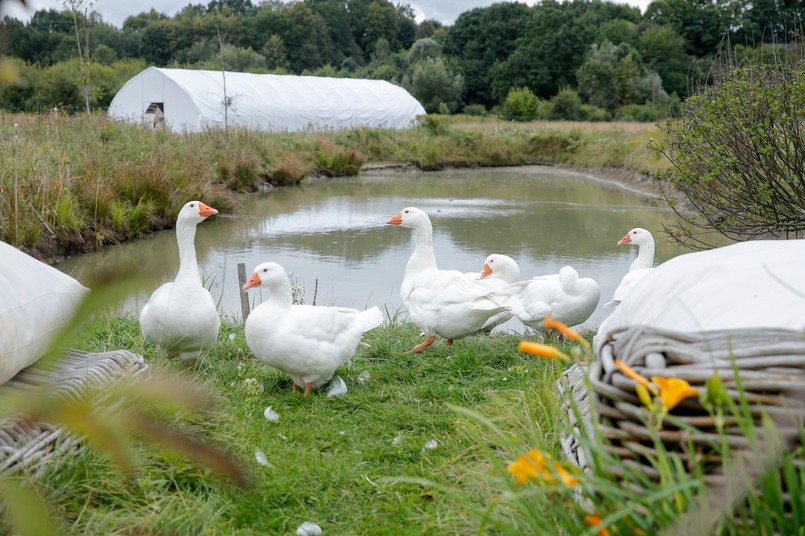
{"x":196,"y":100}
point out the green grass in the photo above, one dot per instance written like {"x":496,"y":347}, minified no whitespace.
{"x":344,"y":463}
{"x":361,"y":463}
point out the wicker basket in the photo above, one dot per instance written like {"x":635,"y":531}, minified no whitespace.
{"x":29,"y":445}
{"x":770,"y":365}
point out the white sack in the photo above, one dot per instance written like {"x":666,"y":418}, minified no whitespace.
{"x":36,"y":300}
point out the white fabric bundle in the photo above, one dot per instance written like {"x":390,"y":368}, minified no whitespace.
{"x":36,"y":300}
{"x":751,"y":285}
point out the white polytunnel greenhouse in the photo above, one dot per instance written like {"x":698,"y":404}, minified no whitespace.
{"x":192,"y":101}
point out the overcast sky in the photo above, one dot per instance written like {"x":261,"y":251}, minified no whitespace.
{"x":116,"y":11}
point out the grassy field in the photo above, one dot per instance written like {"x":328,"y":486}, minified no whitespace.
{"x":345,"y":463}
{"x":430,"y":443}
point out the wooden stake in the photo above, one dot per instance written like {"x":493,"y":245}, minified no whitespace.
{"x":244,"y":298}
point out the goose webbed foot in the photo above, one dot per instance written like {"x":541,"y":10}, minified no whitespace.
{"x":421,"y":346}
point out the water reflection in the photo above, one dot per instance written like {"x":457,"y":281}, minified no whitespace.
{"x":333,"y":233}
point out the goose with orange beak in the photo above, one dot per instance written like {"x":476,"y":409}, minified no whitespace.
{"x":181,"y":317}
{"x":641,"y":266}
{"x":307,"y":342}
{"x":564,"y":296}
{"x":444,"y":303}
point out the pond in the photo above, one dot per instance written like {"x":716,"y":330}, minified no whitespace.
{"x":332,"y":237}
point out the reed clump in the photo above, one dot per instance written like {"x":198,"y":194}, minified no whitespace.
{"x":71,"y":183}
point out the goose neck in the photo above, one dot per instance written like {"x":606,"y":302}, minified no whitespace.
{"x":188,"y":265}
{"x":645,"y":257}
{"x":423,"y":257}
{"x":281,"y":294}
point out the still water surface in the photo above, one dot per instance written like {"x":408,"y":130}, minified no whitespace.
{"x":331,"y":235}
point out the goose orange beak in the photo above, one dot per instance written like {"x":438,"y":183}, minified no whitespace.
{"x":253,"y":282}
{"x":487,"y":271}
{"x":396,"y":220}
{"x":206,"y":210}
{"x":625,"y":240}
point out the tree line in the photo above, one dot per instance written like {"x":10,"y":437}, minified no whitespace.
{"x":580,"y":59}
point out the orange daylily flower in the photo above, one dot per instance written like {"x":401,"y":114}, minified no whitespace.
{"x":542,"y":350}
{"x":673,"y":391}
{"x":593,"y":521}
{"x":630,"y":373}
{"x":540,"y":468}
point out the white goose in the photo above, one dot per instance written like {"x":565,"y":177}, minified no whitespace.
{"x":181,"y":317}
{"x":564,"y":296}
{"x":641,"y":266}
{"x":306,"y":342}
{"x":447,"y":303}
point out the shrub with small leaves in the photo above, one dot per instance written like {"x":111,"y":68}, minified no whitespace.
{"x":738,"y":155}
{"x":521,"y":105}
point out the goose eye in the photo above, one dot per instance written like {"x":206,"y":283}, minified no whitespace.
{"x":406,"y":212}
{"x":192,"y":205}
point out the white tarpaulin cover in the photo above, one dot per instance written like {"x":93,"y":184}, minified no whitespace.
{"x":751,"y":285}
{"x":36,"y":301}
{"x":192,"y":101}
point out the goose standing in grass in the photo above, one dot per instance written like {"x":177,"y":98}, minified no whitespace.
{"x":307,"y":342}
{"x":563,"y":296}
{"x":180,"y":317}
{"x":444,"y":303}
{"x":641,"y":266}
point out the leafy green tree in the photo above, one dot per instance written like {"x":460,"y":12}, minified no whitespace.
{"x":104,"y":55}
{"x":138,"y":23}
{"x":337,"y":17}
{"x":738,"y":155}
{"x":598,"y":83}
{"x":480,"y":39}
{"x":663,"y":50}
{"x":306,"y":38}
{"x":433,"y":84}
{"x":242,"y":59}
{"x":618,"y":31}
{"x":157,"y":40}
{"x":648,"y":90}
{"x":371,"y":20}
{"x":628,"y":71}
{"x":193,"y":33}
{"x":767,"y":21}
{"x":424,"y":49}
{"x":407,"y":27}
{"x":554,"y":45}
{"x":35,"y":42}
{"x":703,"y":24}
{"x":428,"y":28}
{"x":105,"y":85}
{"x":567,"y":105}
{"x":521,"y":105}
{"x":274,"y":53}
{"x":58,"y":86}
{"x":381,"y":23}
{"x":382,"y":53}
{"x":235,"y":7}
{"x":386,"y":72}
